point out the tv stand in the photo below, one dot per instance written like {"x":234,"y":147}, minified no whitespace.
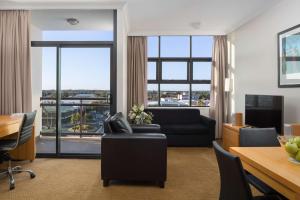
{"x":231,"y":135}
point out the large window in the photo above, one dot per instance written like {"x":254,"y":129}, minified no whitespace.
{"x":179,"y":70}
{"x":78,"y":68}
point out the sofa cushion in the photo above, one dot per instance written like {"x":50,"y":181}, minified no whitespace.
{"x":183,"y":129}
{"x":119,"y":124}
{"x":163,"y":116}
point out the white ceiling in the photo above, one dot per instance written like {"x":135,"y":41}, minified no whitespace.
{"x":214,"y":16}
{"x":146,"y":17}
{"x":88,"y":19}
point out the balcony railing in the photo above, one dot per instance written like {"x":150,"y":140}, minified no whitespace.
{"x":79,"y":116}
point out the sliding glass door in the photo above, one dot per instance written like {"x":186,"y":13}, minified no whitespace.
{"x":77,"y":92}
{"x":85,"y":98}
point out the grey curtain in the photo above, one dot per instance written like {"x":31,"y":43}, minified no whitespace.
{"x":218,"y":100}
{"x":15,"y":70}
{"x":136,"y":71}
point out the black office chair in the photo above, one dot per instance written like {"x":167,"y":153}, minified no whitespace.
{"x":234,"y":185}
{"x":259,"y":137}
{"x":7,"y":145}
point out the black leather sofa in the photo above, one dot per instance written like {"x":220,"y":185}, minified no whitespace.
{"x":184,"y":126}
{"x":132,"y":156}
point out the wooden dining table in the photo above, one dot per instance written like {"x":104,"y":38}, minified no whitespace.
{"x":271,"y":165}
{"x":9,"y":127}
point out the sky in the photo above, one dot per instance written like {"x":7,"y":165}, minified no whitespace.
{"x":81,"y":68}
{"x":88,"y":68}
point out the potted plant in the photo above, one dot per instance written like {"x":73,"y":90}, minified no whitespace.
{"x":137,"y":115}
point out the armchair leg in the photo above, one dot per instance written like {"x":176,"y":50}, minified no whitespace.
{"x":161,"y":184}
{"x":105,"y":183}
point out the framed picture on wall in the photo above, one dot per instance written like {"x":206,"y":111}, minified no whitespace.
{"x":289,"y":57}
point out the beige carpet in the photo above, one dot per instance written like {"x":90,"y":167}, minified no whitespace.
{"x":192,"y":174}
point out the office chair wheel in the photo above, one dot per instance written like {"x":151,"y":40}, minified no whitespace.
{"x":11,"y":186}
{"x":11,"y":179}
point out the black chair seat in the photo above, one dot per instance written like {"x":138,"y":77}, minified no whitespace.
{"x":259,"y":185}
{"x":7,"y":145}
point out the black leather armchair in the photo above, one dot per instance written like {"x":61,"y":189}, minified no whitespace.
{"x":132,"y":156}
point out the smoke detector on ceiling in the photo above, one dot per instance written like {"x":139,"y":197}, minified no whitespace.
{"x":72,"y":21}
{"x":196,"y":25}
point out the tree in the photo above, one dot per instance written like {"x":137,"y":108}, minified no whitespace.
{"x":75,"y":118}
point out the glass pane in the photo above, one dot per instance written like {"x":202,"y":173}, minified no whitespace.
{"x":45,"y":57}
{"x":46,"y":141}
{"x":291,"y":45}
{"x":174,"y":70}
{"x":151,"y":70}
{"x":85,"y":72}
{"x":152,"y":94}
{"x":83,"y":120}
{"x":202,"y":46}
{"x":48,"y":120}
{"x":201,"y":70}
{"x":174,"y":95}
{"x":175,"y":46}
{"x":85,"y":87}
{"x":48,"y":71}
{"x":152,"y":47}
{"x":292,"y":70}
{"x":200,"y":94}
{"x":70,"y":119}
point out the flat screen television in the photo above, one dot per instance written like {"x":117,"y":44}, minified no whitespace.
{"x":264,"y":111}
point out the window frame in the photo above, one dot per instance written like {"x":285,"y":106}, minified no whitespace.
{"x":189,"y":60}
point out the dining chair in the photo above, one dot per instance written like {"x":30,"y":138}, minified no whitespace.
{"x":259,"y":137}
{"x":234,"y":185}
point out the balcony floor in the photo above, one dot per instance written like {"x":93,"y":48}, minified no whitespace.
{"x":74,"y":145}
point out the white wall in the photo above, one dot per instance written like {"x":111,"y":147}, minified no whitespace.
{"x":254,"y":58}
{"x":36,"y":77}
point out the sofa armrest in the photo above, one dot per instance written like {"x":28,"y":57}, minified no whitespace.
{"x":133,"y":136}
{"x":210,"y":123}
{"x":146,"y":128}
